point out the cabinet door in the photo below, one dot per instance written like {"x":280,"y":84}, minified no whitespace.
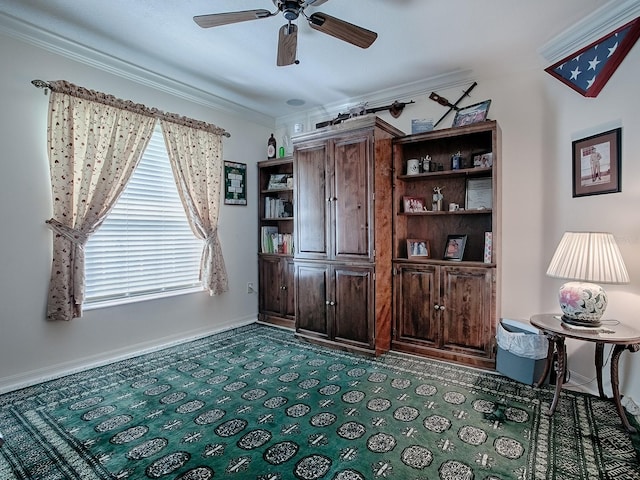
{"x":350,"y":202}
{"x":312,"y":311}
{"x":312,"y":194}
{"x":353,"y":305}
{"x":468,"y":294}
{"x":270,"y":270}
{"x":417,"y":291}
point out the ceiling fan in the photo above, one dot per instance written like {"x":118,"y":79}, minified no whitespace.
{"x":288,"y":33}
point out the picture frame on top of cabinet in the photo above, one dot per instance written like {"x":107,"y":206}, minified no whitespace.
{"x":596,"y":164}
{"x":454,"y":248}
{"x":472,"y":114}
{"x":418,"y":249}
{"x":235,"y":183}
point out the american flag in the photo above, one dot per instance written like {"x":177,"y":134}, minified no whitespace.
{"x":588,"y":70}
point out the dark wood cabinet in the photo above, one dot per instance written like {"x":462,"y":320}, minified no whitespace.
{"x":437,"y":312}
{"x":312,"y":200}
{"x":352,"y":309}
{"x":444,"y":308}
{"x":335,"y":303}
{"x":343,"y":177}
{"x":417,"y":293}
{"x":312,"y":285}
{"x":467,"y":299}
{"x":276,"y":299}
{"x":334,"y":200}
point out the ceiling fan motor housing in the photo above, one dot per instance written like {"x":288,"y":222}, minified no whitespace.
{"x":290,"y":10}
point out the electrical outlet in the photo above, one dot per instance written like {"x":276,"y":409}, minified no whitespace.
{"x":250,"y":288}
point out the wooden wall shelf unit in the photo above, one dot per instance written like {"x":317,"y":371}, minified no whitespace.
{"x":443,"y":308}
{"x":275,"y":254}
{"x":343,"y":221}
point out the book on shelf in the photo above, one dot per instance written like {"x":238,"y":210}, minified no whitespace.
{"x":277,"y":208}
{"x":488,"y":247}
{"x":272,"y":241}
{"x":266,"y":233}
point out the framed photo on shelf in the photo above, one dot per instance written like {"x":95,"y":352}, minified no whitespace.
{"x":235,"y":183}
{"x":454,"y":249}
{"x":417,"y":249}
{"x":280,"y":181}
{"x":479,"y":194}
{"x":483,"y":160}
{"x":472,"y":114}
{"x":596,"y":164}
{"x":413,"y":204}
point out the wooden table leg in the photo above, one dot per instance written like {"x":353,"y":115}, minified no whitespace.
{"x":560,"y":371}
{"x":547,"y":365}
{"x":599,"y":358}
{"x":617,"y":351}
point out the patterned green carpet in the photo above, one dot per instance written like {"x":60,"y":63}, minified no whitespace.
{"x":255,"y":403}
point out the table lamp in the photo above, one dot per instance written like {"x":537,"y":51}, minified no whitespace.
{"x":587,"y":257}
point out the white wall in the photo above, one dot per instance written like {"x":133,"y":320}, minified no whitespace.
{"x":32,"y":347}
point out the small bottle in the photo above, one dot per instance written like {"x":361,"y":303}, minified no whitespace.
{"x":455,"y":161}
{"x":281,"y":152}
{"x":271,"y":147}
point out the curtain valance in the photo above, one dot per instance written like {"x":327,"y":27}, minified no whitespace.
{"x":62,"y":86}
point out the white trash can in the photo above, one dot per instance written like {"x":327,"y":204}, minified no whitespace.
{"x":522,"y":351}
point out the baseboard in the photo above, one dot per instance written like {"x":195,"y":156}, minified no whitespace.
{"x":51,"y":372}
{"x":581,"y":383}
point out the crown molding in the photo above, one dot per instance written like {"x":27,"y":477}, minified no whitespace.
{"x":596,"y":25}
{"x":49,"y":41}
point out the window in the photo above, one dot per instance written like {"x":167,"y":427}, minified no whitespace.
{"x":145,"y":248}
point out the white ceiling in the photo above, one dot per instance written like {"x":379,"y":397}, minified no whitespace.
{"x":417,"y":40}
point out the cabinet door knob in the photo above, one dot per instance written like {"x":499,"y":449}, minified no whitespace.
{"x":332,"y":303}
{"x":442,"y":308}
{"x":283,"y":287}
{"x":436,"y":307}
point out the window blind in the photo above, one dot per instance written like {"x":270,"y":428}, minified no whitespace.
{"x":145,"y":247}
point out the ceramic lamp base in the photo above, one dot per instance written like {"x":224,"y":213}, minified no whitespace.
{"x":582,"y":303}
{"x":580,"y":323}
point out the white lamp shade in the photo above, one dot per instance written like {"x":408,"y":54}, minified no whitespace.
{"x":588,"y":256}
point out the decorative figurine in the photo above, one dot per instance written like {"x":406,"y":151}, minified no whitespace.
{"x":437,"y":199}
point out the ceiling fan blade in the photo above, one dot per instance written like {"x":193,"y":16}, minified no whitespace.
{"x":217,"y":19}
{"x":287,"y":45}
{"x":361,"y":37}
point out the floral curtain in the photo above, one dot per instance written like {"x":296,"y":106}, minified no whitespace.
{"x":95,"y":142}
{"x":196,"y":159}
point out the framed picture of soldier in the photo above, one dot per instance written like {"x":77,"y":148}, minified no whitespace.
{"x":596,"y":164}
